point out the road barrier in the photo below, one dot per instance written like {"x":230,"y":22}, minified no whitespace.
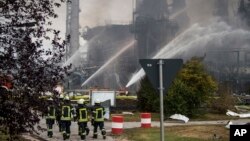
{"x":146,"y":120}
{"x":117,"y":124}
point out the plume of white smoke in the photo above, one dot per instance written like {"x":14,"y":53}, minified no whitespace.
{"x":100,"y":12}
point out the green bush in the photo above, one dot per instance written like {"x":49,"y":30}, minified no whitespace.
{"x":148,"y":97}
{"x":189,"y":92}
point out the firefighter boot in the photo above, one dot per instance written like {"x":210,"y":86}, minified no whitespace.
{"x":95,"y":136}
{"x":68,"y":136}
{"x":60,"y":126}
{"x":50,"y":134}
{"x":64,"y":136}
{"x":104,"y":134}
{"x":87,"y":130}
{"x":79,"y":131}
{"x":83,"y":137}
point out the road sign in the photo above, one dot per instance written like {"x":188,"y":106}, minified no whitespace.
{"x":161,"y":73}
{"x":170,"y":69}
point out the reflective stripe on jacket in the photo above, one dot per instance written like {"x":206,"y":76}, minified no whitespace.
{"x":83,"y":115}
{"x":99,"y":112}
{"x":51,"y":113}
{"x":66,"y":113}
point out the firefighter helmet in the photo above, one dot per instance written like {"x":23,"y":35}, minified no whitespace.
{"x":97,"y":101}
{"x":61,"y":96}
{"x":66,"y":98}
{"x":80,"y":101}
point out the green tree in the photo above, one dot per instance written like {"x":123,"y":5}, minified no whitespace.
{"x":191,"y":89}
{"x":178,"y":99}
{"x":189,"y":92}
{"x":148,"y":100}
{"x":35,"y":68}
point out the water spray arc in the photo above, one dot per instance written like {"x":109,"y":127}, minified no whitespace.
{"x":195,"y":41}
{"x":75,"y":55}
{"x":178,"y":13}
{"x":103,"y":67}
{"x":141,"y":73}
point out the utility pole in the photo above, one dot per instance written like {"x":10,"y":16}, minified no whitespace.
{"x":161,"y":98}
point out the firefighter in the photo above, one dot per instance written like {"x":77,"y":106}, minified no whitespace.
{"x":58,"y":112}
{"x":98,"y":119}
{"x":6,"y":85}
{"x":50,"y":118}
{"x":82,"y":118}
{"x":66,"y":109}
{"x":6,"y":82}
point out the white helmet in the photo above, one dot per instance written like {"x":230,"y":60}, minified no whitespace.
{"x":66,"y":98}
{"x":97,"y":101}
{"x":80,"y":101}
{"x":61,"y":96}
{"x":50,"y":99}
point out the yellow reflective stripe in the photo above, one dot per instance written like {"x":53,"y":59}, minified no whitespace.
{"x":82,"y":119}
{"x":65,"y":118}
{"x":51,"y":116}
{"x":69,"y":114}
{"x":96,"y":114}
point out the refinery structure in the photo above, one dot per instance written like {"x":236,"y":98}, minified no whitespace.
{"x":114,"y":49}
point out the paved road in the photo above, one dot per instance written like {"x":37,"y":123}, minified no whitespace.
{"x":74,"y":128}
{"x":74,"y":132}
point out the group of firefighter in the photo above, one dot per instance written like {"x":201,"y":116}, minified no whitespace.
{"x":64,"y":112}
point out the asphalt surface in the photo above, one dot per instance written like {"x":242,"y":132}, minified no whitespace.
{"x":57,"y":136}
{"x":74,"y":128}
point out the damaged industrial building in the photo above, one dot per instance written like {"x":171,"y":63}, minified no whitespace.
{"x":154,"y":24}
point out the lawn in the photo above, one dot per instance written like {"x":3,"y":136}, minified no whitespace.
{"x":211,"y":116}
{"x":178,"y":133}
{"x":156,"y":117}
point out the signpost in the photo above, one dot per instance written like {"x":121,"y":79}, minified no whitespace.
{"x":161,"y":73}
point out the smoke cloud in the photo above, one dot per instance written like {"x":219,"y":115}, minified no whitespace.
{"x":199,"y":11}
{"x":101,"y":12}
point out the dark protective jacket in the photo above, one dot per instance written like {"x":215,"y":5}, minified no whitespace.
{"x":66,"y":111}
{"x":98,"y":113}
{"x":4,"y":94}
{"x":82,"y":113}
{"x":51,"y":112}
{"x":59,"y":110}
